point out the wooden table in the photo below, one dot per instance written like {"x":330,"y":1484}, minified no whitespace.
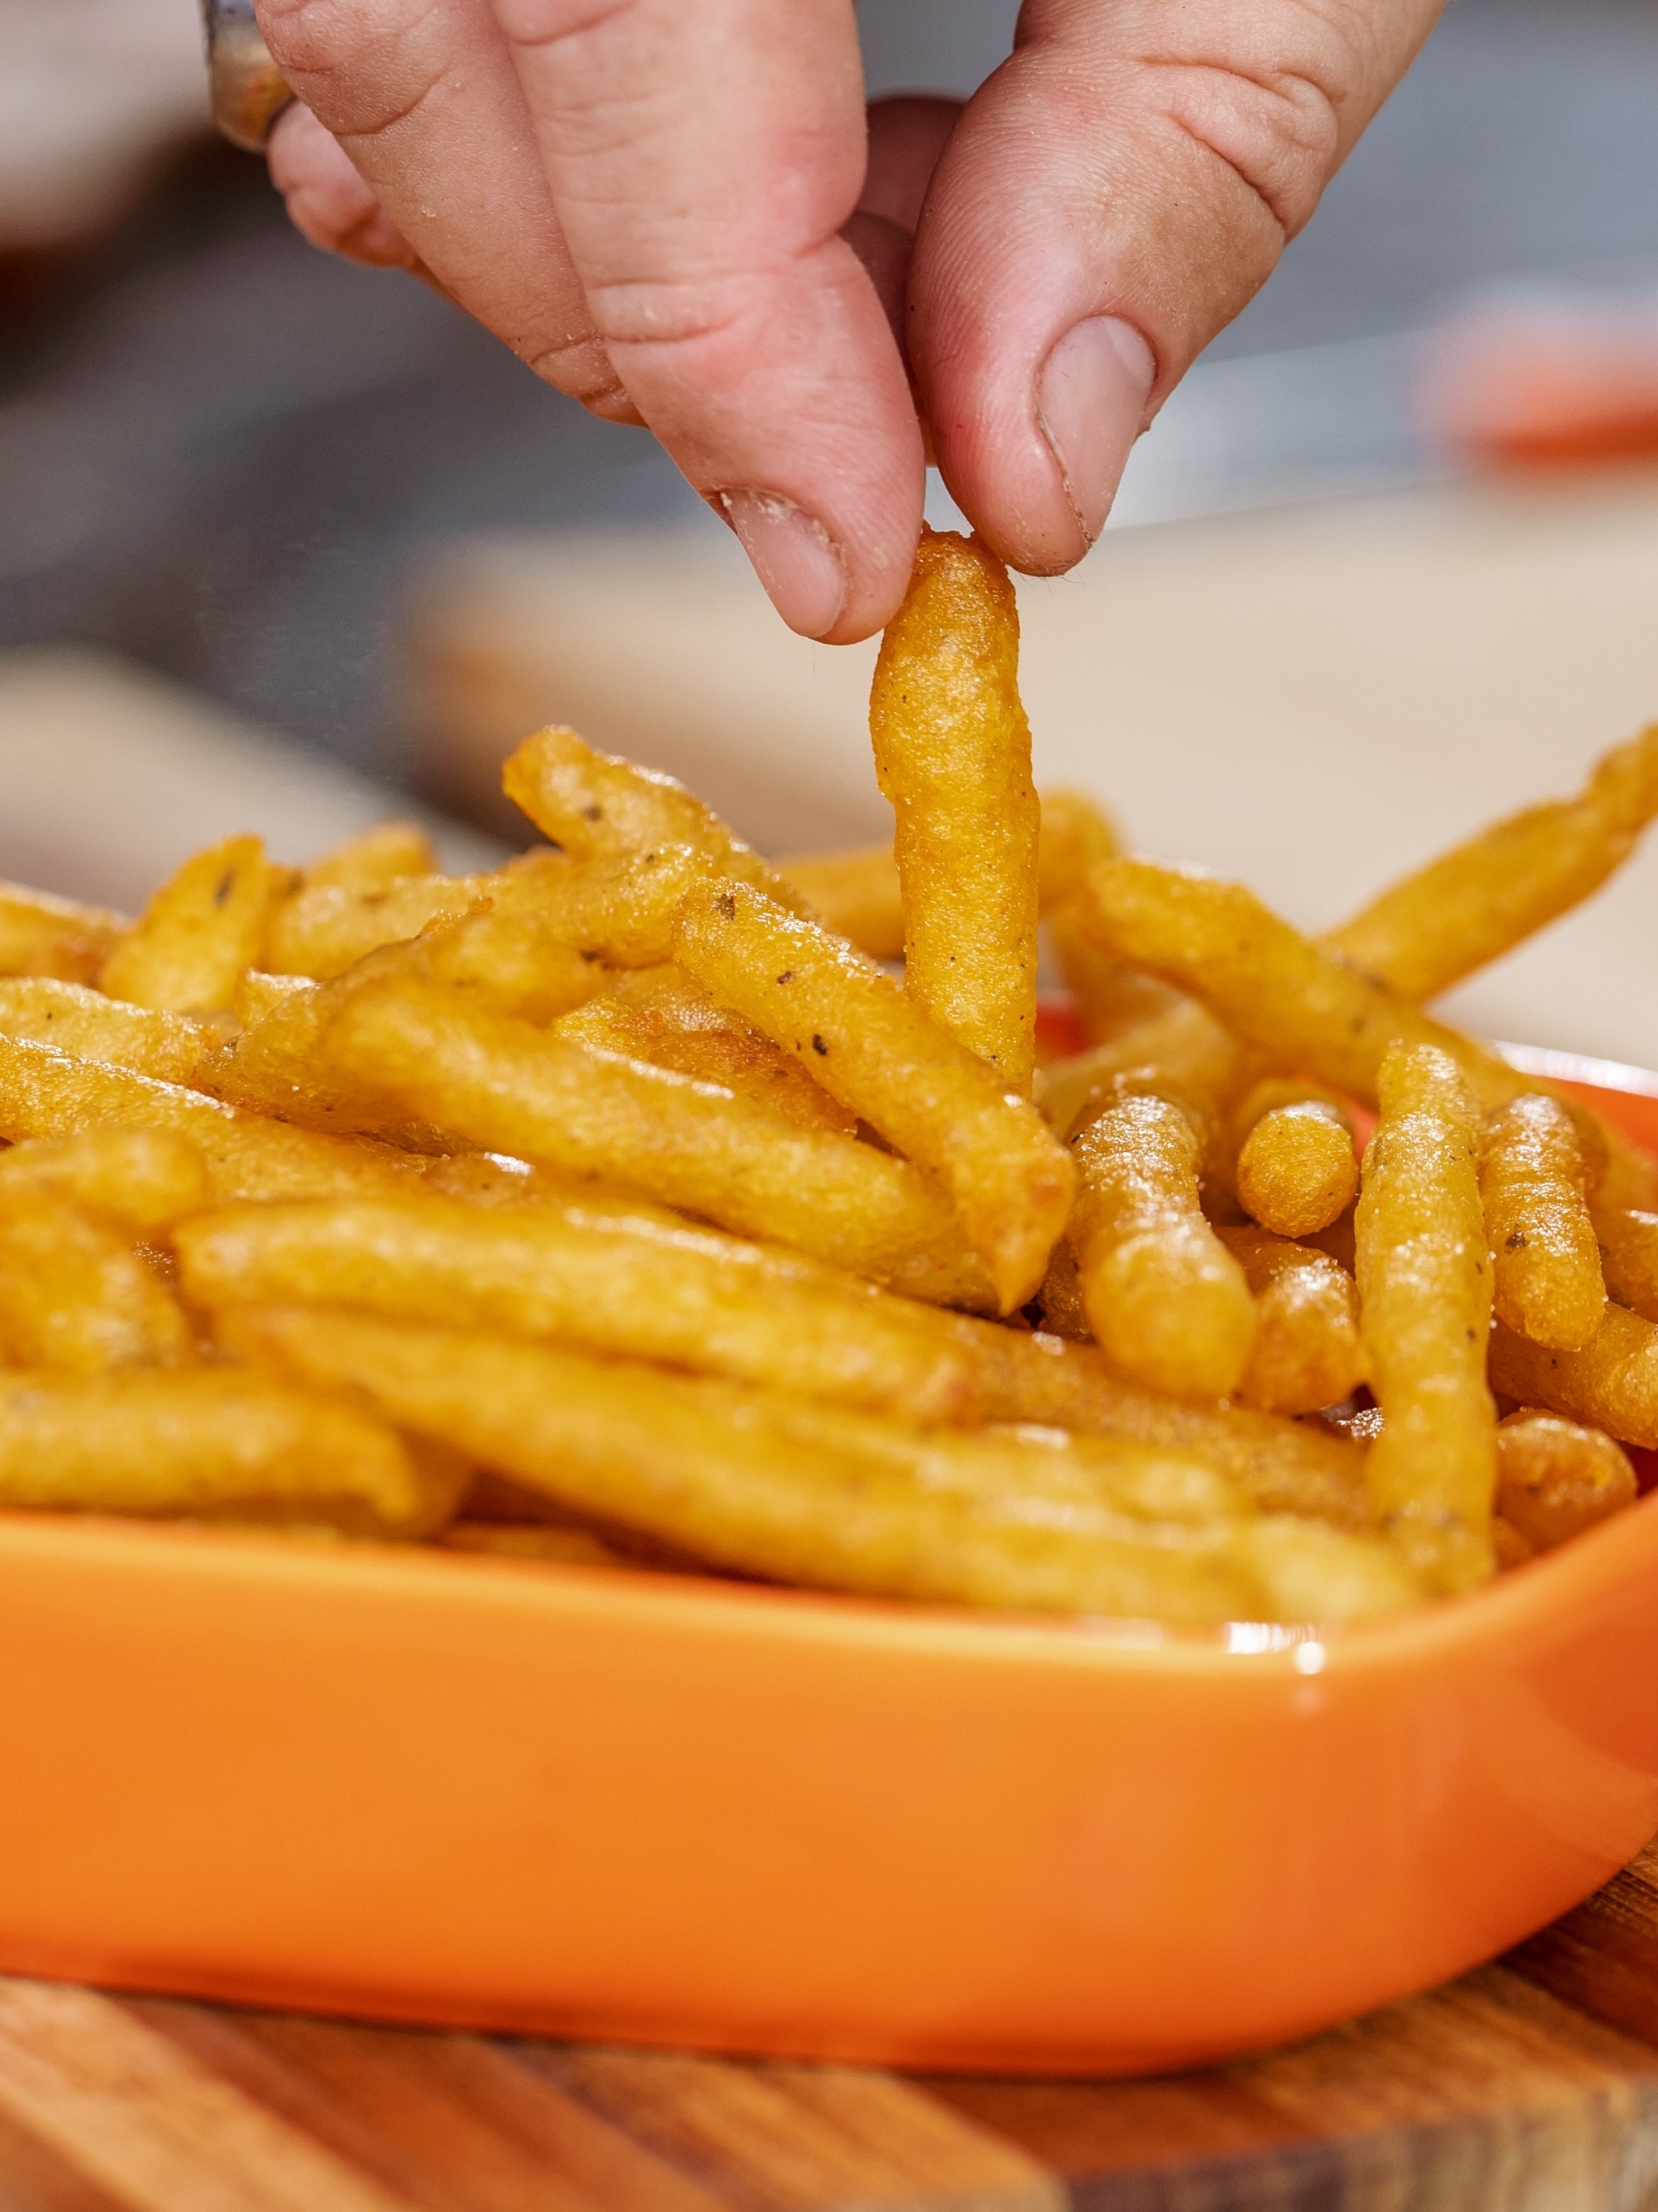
{"x":1531,"y":2086}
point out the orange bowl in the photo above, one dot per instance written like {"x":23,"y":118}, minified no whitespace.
{"x":430,"y":1786}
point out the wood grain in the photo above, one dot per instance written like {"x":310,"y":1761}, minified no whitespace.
{"x":1531,"y":2086}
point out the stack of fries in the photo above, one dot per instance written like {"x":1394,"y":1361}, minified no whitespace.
{"x":623,"y":1205}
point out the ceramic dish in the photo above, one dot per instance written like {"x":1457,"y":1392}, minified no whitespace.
{"x":431,"y":1787}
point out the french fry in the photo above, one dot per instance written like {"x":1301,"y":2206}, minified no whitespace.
{"x":1628,"y":1239}
{"x":871,"y":1046}
{"x":659,"y":1015}
{"x":1296,"y":1171}
{"x":1059,"y":1298}
{"x":1474,"y":903}
{"x":853,"y":893}
{"x":75,"y":1297}
{"x":1548,"y":1282}
{"x":952,"y":754}
{"x":779,"y":1486}
{"x":40,"y":935}
{"x":598,"y":807}
{"x":383,"y":854}
{"x":1314,"y":1574}
{"x":499,"y":1182}
{"x":547,"y":1544}
{"x":1611,"y":1383}
{"x":1307,"y":1352}
{"x":212,"y":1442}
{"x":151,"y":1042}
{"x":1555,"y":1478}
{"x":705,"y":1303}
{"x":1181,"y":1044}
{"x":258,"y":994}
{"x":1107,"y":997}
{"x":1425,"y":1290}
{"x":200,"y":933}
{"x":142,"y":1179}
{"x":46,"y":1093}
{"x":323,"y":930}
{"x":1167,"y":1302}
{"x":512,"y":1088}
{"x":1077,"y":834}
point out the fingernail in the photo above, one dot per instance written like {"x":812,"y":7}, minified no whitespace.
{"x":1090,"y":402}
{"x":793,"y":556}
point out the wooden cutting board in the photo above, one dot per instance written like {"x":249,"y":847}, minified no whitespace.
{"x":1531,"y":2086}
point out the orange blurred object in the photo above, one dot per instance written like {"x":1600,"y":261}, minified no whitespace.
{"x":1546,"y":387}
{"x":644,"y":1808}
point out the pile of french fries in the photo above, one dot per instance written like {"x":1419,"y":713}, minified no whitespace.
{"x":631,"y":1203}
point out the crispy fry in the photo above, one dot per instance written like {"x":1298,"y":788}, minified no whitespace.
{"x":499,"y":1182}
{"x":780,"y":1485}
{"x":322,"y":931}
{"x":46,"y":1093}
{"x":259,"y":994}
{"x":1424,"y":1289}
{"x":151,"y":1042}
{"x":516,"y":1089}
{"x":212,"y":1442}
{"x":1108,"y":998}
{"x":1555,"y":1478}
{"x":381,"y":854}
{"x":871,"y":1046}
{"x":598,"y":807}
{"x":142,"y":1179}
{"x":659,"y":1015}
{"x":1181,"y":1045}
{"x":1611,"y":1384}
{"x":1629,"y":1257}
{"x":855,"y":894}
{"x":1316,"y":1574}
{"x":1548,"y":1282}
{"x":1296,"y":1171}
{"x":702,"y":1302}
{"x":1060,"y":1297}
{"x":75,"y":1297}
{"x":1077,"y":834}
{"x":1167,"y":1302}
{"x":952,"y":754}
{"x":40,"y":935}
{"x":1307,"y":1352}
{"x":200,"y":933}
{"x":1475,"y":903}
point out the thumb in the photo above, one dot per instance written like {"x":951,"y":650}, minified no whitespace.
{"x":1111,"y":198}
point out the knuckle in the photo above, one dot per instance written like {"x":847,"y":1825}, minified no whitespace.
{"x":363,"y":71}
{"x":1278,"y":130}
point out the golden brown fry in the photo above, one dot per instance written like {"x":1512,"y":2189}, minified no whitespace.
{"x":855,"y":894}
{"x":512,"y":1088}
{"x":659,"y":1015}
{"x":871,"y":1047}
{"x":46,"y":1093}
{"x":598,"y":807}
{"x":142,"y":1179}
{"x":1307,"y":1352}
{"x":783,"y":1486}
{"x":259,"y":994}
{"x":1555,"y":1478}
{"x":1167,"y":1302}
{"x":200,"y":933}
{"x":1059,"y":1298}
{"x":1424,"y":1289}
{"x":1475,"y":903}
{"x":45,"y":1011}
{"x":1077,"y":834}
{"x":952,"y":754}
{"x":75,"y":1297}
{"x":1629,"y":1257}
{"x":40,"y":935}
{"x":322,"y":932}
{"x":1296,"y":1171}
{"x":498,"y":1181}
{"x":1548,"y":1282}
{"x":1611,"y":1384}
{"x":698,"y":1301}
{"x":1181,"y":1044}
{"x":1107,"y":997}
{"x":212,"y":1442}
{"x":381,"y":854}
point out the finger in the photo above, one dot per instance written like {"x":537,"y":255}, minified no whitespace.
{"x":327,"y":201}
{"x":1113,"y":196}
{"x":422,"y":96}
{"x":906,"y":135}
{"x":704,"y":154}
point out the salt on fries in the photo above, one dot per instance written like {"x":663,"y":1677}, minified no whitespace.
{"x":620,"y":1208}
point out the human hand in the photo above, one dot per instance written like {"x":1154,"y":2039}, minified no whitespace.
{"x":677,"y":212}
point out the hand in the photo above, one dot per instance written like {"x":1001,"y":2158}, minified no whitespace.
{"x":677,"y":212}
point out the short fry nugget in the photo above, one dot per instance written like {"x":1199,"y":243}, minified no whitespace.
{"x":516,"y":1089}
{"x":1549,"y":1284}
{"x":1629,"y":1257}
{"x":146,"y":1039}
{"x":1424,"y":1289}
{"x":952,"y":754}
{"x":202,"y":931}
{"x":1169,"y":1304}
{"x":377,"y":856}
{"x":40,"y":935}
{"x":75,"y":1297}
{"x":871,"y":1046}
{"x":142,"y":1179}
{"x":1475,"y":903}
{"x":1611,"y":1384}
{"x":1307,"y":1352}
{"x":1297,"y":1170}
{"x":1555,"y":1478}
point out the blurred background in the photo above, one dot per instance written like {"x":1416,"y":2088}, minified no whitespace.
{"x":277,"y":534}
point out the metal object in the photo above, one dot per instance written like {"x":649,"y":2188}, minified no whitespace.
{"x":248,"y":91}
